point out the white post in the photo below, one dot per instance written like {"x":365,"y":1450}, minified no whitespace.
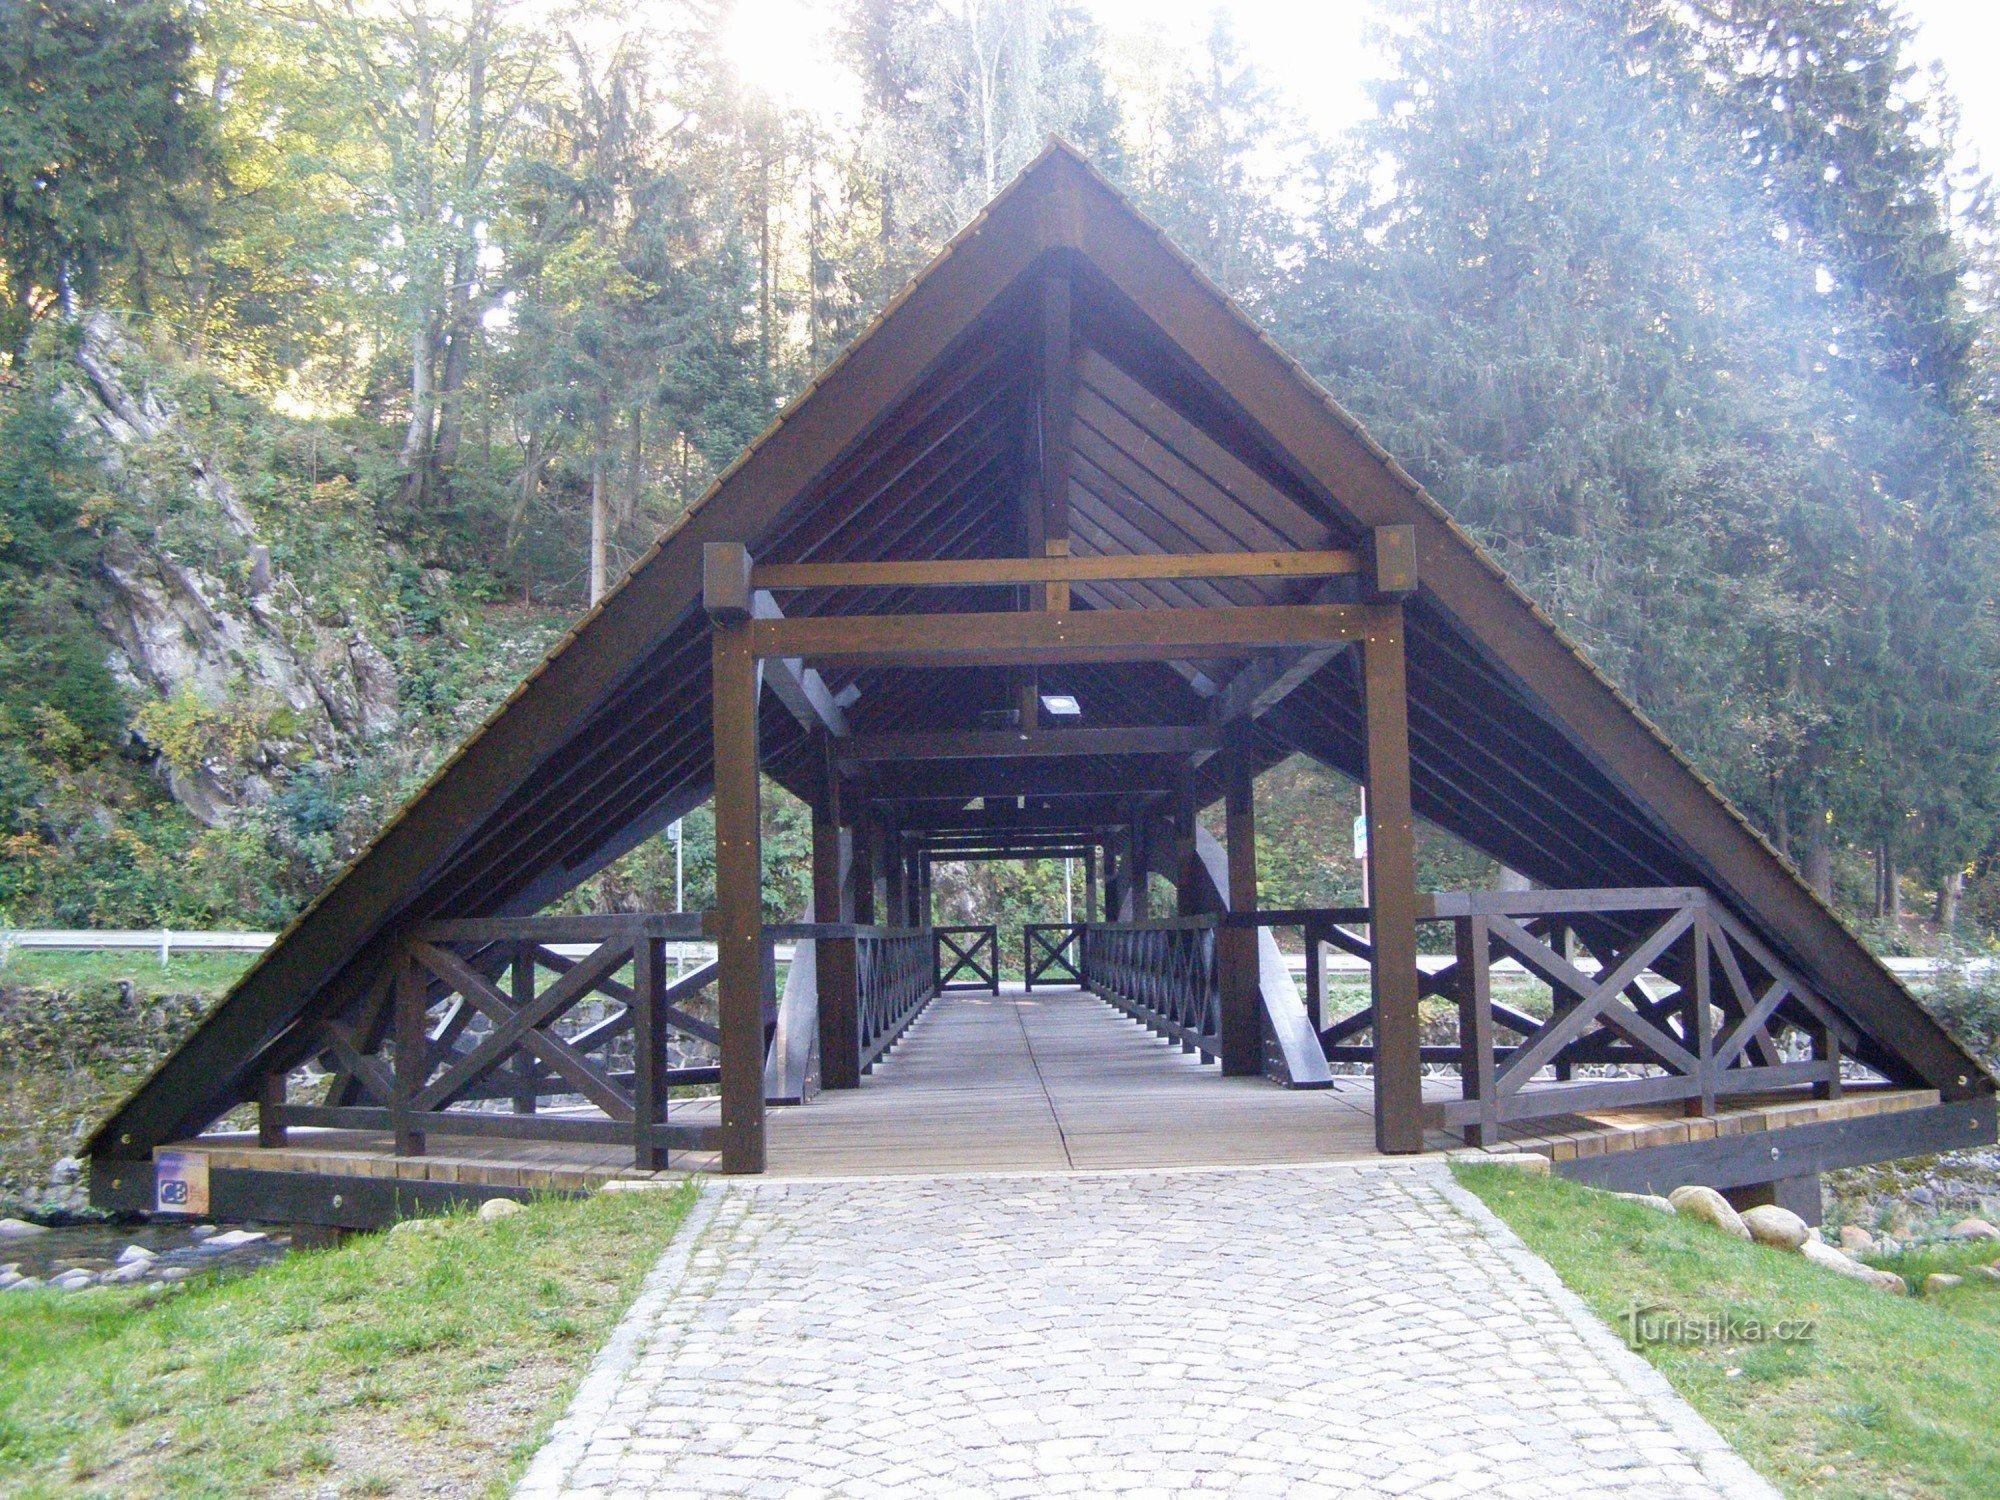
{"x":1069,"y":898}
{"x":166,"y":945}
{"x":680,"y":948}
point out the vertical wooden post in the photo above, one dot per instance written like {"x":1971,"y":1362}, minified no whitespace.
{"x":649,"y":1052}
{"x":1137,"y":863}
{"x":412,"y":1053}
{"x":1826,"y":1048}
{"x":523,"y":985}
{"x":895,"y":875}
{"x":270,"y":1109}
{"x":738,"y":913}
{"x":1392,"y":886}
{"x":1704,"y":1022}
{"x":833,"y":957}
{"x":861,"y":875}
{"x":1090,"y":911}
{"x":1315,"y":977}
{"x":1475,"y":1027}
{"x":1242,"y":1009}
{"x":1187,"y":874}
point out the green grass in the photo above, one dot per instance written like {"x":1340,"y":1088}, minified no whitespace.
{"x":184,"y":973}
{"x":377,"y":1368}
{"x":1893,"y":1396}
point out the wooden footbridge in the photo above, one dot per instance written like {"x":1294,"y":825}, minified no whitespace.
{"x":1060,"y":553}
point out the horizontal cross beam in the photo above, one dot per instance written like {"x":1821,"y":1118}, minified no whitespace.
{"x":1025,"y":638}
{"x":1010,"y":571}
{"x":1008,"y":744}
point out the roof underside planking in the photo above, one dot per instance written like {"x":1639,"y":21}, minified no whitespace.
{"x":1187,"y":432}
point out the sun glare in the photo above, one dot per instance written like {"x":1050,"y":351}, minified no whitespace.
{"x":783,"y":50}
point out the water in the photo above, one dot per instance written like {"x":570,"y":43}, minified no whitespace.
{"x":176,"y":1247}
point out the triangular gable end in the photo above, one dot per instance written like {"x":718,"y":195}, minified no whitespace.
{"x":1164,"y":327}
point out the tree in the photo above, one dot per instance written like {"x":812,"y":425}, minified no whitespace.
{"x":100,"y":134}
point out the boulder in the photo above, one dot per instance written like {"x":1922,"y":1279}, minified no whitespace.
{"x":1648,"y":1200}
{"x":234,"y":1239}
{"x":19,"y":1229}
{"x":1887,"y":1281}
{"x":25,"y":1284}
{"x":1822,"y":1254}
{"x":1855,"y":1240}
{"x":9,"y":1276}
{"x":132,"y":1253}
{"x":1939,"y":1281}
{"x":73,"y":1281}
{"x":125,"y":1275}
{"x":1778,"y":1227}
{"x":1709,"y":1206}
{"x":498,"y":1208}
{"x":1973,"y":1229}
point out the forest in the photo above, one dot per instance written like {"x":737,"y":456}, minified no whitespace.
{"x":349,"y":349}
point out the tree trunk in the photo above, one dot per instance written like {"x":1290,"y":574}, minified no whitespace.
{"x":1949,"y":890}
{"x":598,"y":523}
{"x":1819,"y":861}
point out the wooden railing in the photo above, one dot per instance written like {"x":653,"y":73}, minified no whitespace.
{"x":1052,"y":952}
{"x":893,"y":979}
{"x":1657,"y":995}
{"x":1163,"y":974}
{"x":481,"y":1028}
{"x":967,"y":957}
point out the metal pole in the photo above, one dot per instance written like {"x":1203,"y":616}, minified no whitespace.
{"x":1069,"y":899}
{"x":680,"y":899}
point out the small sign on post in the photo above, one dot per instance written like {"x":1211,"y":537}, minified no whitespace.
{"x":180,"y":1182}
{"x":1361,"y":837}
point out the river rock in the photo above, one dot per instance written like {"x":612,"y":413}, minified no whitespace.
{"x":1939,"y":1281}
{"x":125,"y":1275}
{"x":1706,"y":1204}
{"x":200,"y":1231}
{"x":235,"y":1239}
{"x":1856,"y":1241}
{"x":1974,"y":1229}
{"x":1649,"y":1200}
{"x":19,"y":1229}
{"x":1887,"y":1281}
{"x":133,"y":1253}
{"x":174,"y":1273}
{"x":9,"y":1276}
{"x":1777,"y":1227}
{"x":25,"y":1284}
{"x":498,"y":1208}
{"x":1822,"y":1254}
{"x":74,"y":1281}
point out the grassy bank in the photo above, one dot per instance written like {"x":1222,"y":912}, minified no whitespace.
{"x":1892,"y":1396}
{"x":428,"y":1362}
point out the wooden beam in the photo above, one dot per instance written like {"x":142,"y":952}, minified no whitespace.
{"x":960,"y":781}
{"x":1392,"y":889}
{"x":738,"y":914}
{"x":796,"y":685}
{"x":1242,"y":1008}
{"x":1008,"y":744}
{"x":1026,"y":638}
{"x":725,"y":581}
{"x":974,"y":572}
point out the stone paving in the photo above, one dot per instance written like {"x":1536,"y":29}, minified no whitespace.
{"x":1300,"y":1331}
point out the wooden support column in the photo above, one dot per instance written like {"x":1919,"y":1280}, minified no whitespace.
{"x":1475,"y":1027}
{"x":270,"y":1110}
{"x":1242,"y":1011}
{"x":649,"y":1053}
{"x":1392,"y":886}
{"x":1187,"y":870}
{"x":1138,"y":864}
{"x":1090,"y":911}
{"x":738,"y":917}
{"x":895,"y":879}
{"x":522,"y":979}
{"x":834,"y":958}
{"x":412,"y":1052}
{"x":1703,"y":1029}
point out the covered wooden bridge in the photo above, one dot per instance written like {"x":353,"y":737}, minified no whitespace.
{"x":1057,"y":555}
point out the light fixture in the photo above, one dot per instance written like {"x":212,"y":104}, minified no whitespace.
{"x":1061,"y":705}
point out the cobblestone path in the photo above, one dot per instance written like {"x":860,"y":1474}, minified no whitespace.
{"x":1300,"y":1331}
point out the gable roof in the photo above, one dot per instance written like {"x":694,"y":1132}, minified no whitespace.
{"x":1193,"y":431}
